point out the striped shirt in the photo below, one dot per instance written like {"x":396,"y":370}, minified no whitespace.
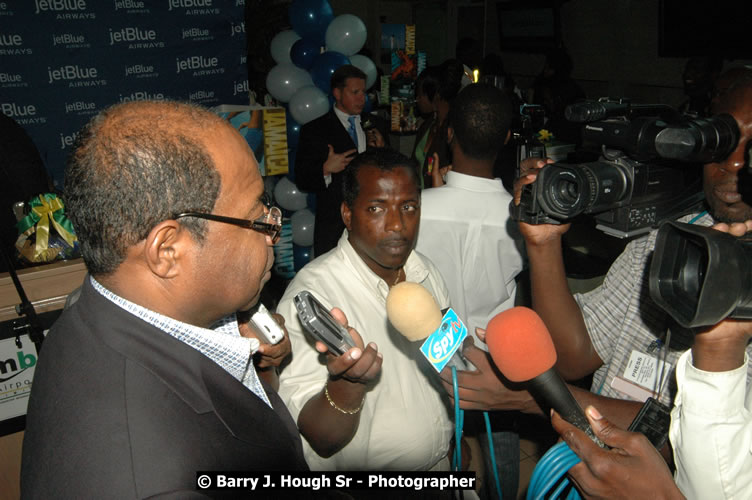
{"x":222,"y":343}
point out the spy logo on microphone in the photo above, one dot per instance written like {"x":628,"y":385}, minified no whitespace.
{"x":441,"y":345}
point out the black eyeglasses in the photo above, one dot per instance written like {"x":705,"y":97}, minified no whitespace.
{"x":270,"y":223}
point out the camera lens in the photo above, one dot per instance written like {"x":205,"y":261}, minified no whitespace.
{"x":564,"y":191}
{"x":569,"y":192}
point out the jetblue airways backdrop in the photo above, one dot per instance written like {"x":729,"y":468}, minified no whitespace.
{"x":61,"y":61}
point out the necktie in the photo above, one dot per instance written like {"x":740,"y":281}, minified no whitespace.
{"x":353,"y":133}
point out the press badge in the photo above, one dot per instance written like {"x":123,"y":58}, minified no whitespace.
{"x":641,"y":378}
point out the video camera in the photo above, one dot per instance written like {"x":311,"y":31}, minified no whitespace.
{"x":638,"y":180}
{"x":701,"y":276}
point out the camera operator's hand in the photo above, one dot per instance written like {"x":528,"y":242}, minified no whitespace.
{"x":535,"y":234}
{"x":529,"y":170}
{"x":721,"y":348}
{"x":632,"y":468}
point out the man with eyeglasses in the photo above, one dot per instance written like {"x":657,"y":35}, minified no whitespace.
{"x":146,"y":379}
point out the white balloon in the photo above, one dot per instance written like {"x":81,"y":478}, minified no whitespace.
{"x":281,"y":45}
{"x":364,"y":64}
{"x":284,"y":80}
{"x":302,"y":223}
{"x":346,"y":34}
{"x":308,"y":103}
{"x":288,"y":196}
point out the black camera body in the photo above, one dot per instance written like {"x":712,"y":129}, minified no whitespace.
{"x":639,"y":179}
{"x":626,"y":197}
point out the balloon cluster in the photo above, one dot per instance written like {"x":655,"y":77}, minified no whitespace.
{"x":306,"y":58}
{"x":308,"y":55}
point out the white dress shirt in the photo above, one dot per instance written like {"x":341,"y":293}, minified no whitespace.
{"x":466,"y":230}
{"x":343,"y":117}
{"x":711,"y":432}
{"x":405,"y":421}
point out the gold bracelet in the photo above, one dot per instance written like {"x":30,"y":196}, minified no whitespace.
{"x":341,"y":410}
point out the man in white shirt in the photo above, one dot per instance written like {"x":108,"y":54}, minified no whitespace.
{"x":711,"y":427}
{"x":353,"y":418}
{"x":711,"y":423}
{"x":466,"y":230}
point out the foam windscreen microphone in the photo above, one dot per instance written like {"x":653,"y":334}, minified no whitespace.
{"x":413,"y":311}
{"x":522,"y":349}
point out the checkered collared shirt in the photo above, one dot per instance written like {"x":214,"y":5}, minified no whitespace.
{"x":223,"y":343}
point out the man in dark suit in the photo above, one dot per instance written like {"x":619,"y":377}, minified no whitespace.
{"x":147,"y":379}
{"x":326,"y":146}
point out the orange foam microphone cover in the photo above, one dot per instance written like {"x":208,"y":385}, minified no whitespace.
{"x":520,"y":344}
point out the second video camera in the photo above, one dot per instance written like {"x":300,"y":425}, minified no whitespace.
{"x":642,"y":176}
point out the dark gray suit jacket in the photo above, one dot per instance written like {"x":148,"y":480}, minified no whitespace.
{"x":119,"y":409}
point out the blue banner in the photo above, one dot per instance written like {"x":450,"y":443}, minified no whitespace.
{"x":65,"y":60}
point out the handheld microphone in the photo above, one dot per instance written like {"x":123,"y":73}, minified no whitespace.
{"x":522,"y":349}
{"x":413,"y":311}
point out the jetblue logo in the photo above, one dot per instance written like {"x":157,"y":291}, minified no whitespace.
{"x":76,"y":76}
{"x":131,"y":6}
{"x":136,"y":38}
{"x":18,"y":111}
{"x":141,"y":71}
{"x":196,"y":34}
{"x":81,"y":108}
{"x":142,"y":96}
{"x":240,"y":87}
{"x":200,"y":65}
{"x":193,"y":7}
{"x":71,"y":41}
{"x":67,"y":141}
{"x":24,"y":114}
{"x":236,"y":29}
{"x":12,"y":45}
{"x":441,"y":345}
{"x":64,"y":9}
{"x":201,"y":95}
{"x":12,"y":80}
{"x":10,"y":40}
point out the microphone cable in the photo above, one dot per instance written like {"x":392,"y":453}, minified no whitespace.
{"x":459,"y":422}
{"x":549,"y":479}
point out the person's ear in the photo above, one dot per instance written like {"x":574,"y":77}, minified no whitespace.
{"x":346,"y":215}
{"x":337,"y":93}
{"x":166,"y":244}
{"x":509,"y":134}
{"x":450,"y":135}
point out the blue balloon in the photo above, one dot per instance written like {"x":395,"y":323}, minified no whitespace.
{"x":301,"y":255}
{"x":323,"y":68}
{"x":310,"y":18}
{"x":304,"y":52}
{"x":293,"y":130}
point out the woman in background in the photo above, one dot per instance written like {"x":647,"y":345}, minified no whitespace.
{"x":435,"y":89}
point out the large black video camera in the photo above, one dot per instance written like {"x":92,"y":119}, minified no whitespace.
{"x":701,"y":276}
{"x":649,"y":168}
